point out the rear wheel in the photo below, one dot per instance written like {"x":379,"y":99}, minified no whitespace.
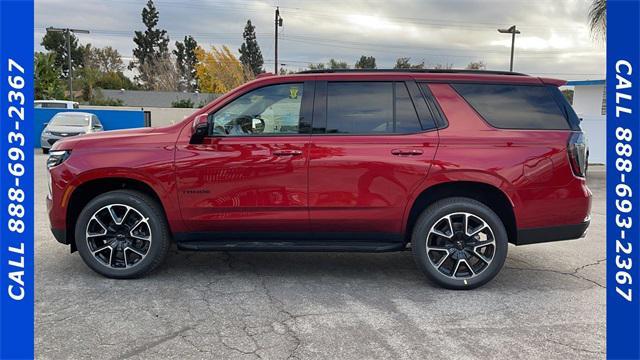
{"x":122,"y":234}
{"x":459,"y":243}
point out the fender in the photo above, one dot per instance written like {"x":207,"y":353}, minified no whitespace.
{"x":440,"y":177}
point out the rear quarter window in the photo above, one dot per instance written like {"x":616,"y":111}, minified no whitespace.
{"x":515,"y":106}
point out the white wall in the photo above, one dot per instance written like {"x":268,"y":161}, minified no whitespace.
{"x":587,"y":102}
{"x":159,"y":116}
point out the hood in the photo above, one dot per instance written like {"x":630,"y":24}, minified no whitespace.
{"x":67,"y":129}
{"x":111,"y":138}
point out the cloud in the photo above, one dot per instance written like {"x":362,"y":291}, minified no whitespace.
{"x":555,"y":39}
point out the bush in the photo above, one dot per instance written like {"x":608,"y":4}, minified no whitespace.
{"x":182,"y":103}
{"x":107,"y":102}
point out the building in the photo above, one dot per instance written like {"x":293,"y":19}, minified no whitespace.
{"x":589,"y":102}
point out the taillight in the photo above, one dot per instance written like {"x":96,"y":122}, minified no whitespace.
{"x":578,"y":154}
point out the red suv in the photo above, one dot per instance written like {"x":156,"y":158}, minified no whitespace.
{"x":451,"y":164}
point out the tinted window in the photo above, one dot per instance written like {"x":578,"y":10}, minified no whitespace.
{"x":406,"y":116}
{"x":360,"y":108}
{"x":269,"y":110}
{"x":514,"y":106}
{"x":51,"y":105}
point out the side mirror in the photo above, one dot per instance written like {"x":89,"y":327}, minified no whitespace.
{"x":200,"y":128}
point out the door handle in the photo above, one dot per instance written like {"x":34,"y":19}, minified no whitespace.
{"x":406,"y":152}
{"x":287,"y":152}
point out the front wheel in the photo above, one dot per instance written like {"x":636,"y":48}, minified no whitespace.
{"x":122,"y":234}
{"x":459,"y":243}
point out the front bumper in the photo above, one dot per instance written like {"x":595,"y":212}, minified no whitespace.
{"x":555,"y":233}
{"x":47,"y":140}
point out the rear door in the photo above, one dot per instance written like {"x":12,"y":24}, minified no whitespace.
{"x":373,"y":142}
{"x":248,"y":178}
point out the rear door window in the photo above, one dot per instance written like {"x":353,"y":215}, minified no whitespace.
{"x":370,"y":108}
{"x":515,"y":106}
{"x":359,"y":107}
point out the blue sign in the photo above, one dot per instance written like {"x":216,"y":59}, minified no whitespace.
{"x":16,"y":180}
{"x":623,"y":182}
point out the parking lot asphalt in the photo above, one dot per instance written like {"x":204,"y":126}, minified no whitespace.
{"x":548,"y":302}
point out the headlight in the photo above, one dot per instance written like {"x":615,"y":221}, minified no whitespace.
{"x":57,"y":157}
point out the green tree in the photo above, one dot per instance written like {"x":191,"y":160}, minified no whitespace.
{"x":598,"y":17}
{"x":182,"y":103}
{"x":152,"y":47}
{"x":56,"y":42}
{"x":115,"y":81}
{"x":477,"y":65}
{"x":405,"y":63}
{"x":186,"y":61}
{"x":318,"y":66}
{"x":332,"y":64}
{"x":335,"y":64}
{"x":250,"y":54}
{"x":47,"y":81}
{"x":366,"y":62}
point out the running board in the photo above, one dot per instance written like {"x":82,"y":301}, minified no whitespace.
{"x":309,"y":246}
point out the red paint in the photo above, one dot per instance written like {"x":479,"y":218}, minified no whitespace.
{"x":329,"y":183}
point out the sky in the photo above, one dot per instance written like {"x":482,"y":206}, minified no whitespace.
{"x":555,"y":40}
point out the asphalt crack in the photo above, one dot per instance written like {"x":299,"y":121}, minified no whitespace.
{"x":574,"y":273}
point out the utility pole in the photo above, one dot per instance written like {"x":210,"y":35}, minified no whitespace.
{"x":513,"y":31}
{"x":68,"y":32}
{"x":278,"y":23}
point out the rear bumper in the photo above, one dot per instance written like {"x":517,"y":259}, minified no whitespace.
{"x":555,"y":233}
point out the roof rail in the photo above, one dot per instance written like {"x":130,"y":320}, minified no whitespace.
{"x":430,"y":71}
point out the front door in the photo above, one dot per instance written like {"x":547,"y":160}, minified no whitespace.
{"x":248,"y":178}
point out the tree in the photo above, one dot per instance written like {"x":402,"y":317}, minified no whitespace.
{"x":250,"y":54}
{"x":405,"y":63}
{"x":105,"y":59}
{"x":335,"y":64}
{"x":219,"y":71}
{"x":182,"y":103}
{"x":598,"y":18}
{"x":56,"y":42}
{"x":186,"y":61}
{"x":318,"y":66}
{"x":89,"y":73}
{"x":446,"y":66}
{"x":332,"y":64}
{"x":477,"y":65}
{"x":152,"y":48}
{"x":47,"y":83}
{"x":366,"y":62}
{"x":116,"y":81}
{"x":166,"y":74}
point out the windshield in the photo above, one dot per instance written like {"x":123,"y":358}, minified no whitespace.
{"x":70,"y":120}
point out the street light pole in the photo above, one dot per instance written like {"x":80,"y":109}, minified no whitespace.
{"x":68,"y":32}
{"x":513,"y":31}
{"x":278,"y":23}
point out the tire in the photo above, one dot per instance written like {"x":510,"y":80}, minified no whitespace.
{"x":444,"y":251}
{"x":142,"y":235}
{"x":45,"y":151}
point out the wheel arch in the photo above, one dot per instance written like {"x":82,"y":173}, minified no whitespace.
{"x":82,"y":194}
{"x":487,"y":194}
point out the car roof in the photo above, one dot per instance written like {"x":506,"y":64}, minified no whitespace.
{"x":433,"y":75}
{"x":56,"y":101}
{"x":75,"y":113}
